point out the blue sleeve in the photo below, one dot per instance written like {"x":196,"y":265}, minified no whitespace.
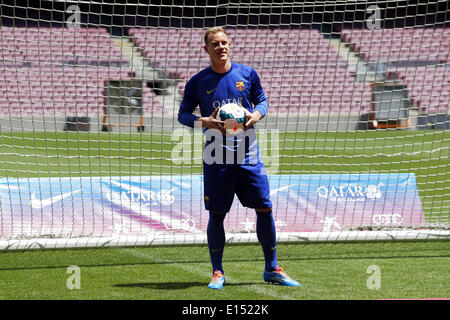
{"x":188,"y":105}
{"x":257,"y":94}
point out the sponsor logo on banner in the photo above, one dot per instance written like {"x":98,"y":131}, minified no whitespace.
{"x":329,"y":224}
{"x":134,"y":205}
{"x":351,"y":192}
{"x":142,"y":200}
{"x":387,"y":219}
{"x":121,"y":192}
{"x":39,"y":203}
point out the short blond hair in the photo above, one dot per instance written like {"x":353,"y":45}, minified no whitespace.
{"x":213,"y":30}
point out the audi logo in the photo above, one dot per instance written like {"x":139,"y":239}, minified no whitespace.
{"x":387,"y":219}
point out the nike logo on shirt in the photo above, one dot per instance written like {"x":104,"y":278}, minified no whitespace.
{"x":209,"y":91}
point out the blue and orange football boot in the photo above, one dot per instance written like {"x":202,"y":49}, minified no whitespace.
{"x":279,"y":276}
{"x":217,"y":281}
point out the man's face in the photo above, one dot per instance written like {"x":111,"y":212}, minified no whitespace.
{"x":218,"y":47}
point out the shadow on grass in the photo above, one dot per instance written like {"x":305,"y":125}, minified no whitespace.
{"x":172,"y":285}
{"x":184,"y":262}
{"x":55,"y":259}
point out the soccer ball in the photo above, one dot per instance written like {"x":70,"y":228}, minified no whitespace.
{"x":234,"y":116}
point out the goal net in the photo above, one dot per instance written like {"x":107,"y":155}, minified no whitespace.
{"x":355,"y":143}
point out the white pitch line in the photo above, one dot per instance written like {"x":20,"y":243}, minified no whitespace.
{"x":263,"y":291}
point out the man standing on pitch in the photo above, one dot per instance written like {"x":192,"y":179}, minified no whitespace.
{"x":221,"y":83}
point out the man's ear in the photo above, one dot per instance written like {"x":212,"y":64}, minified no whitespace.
{"x":205,"y":48}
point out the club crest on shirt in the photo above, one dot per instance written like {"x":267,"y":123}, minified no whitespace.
{"x":240,"y":86}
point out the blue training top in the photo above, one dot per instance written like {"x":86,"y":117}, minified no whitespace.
{"x":210,"y":90}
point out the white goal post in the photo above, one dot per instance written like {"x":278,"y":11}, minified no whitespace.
{"x":299,"y":237}
{"x":356,"y":142}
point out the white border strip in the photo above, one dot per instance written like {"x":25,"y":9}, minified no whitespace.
{"x":142,"y":241}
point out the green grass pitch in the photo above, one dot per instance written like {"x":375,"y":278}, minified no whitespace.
{"x":326,"y":271}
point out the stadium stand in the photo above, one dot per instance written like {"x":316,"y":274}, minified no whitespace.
{"x":309,"y":89}
{"x":53,"y":46}
{"x":61,"y":70}
{"x":171,"y":50}
{"x":429,"y":88}
{"x":293,"y":65}
{"x":416,"y":56}
{"x":400,"y":44}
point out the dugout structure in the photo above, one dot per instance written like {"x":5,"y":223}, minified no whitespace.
{"x":390,"y":106}
{"x":123,"y":104}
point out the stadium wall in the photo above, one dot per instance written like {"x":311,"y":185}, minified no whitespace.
{"x":312,"y":122}
{"x":329,"y":16}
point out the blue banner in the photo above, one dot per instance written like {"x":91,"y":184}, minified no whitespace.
{"x":133,"y":205}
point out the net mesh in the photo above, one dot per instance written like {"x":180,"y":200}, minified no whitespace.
{"x":356,"y":139}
